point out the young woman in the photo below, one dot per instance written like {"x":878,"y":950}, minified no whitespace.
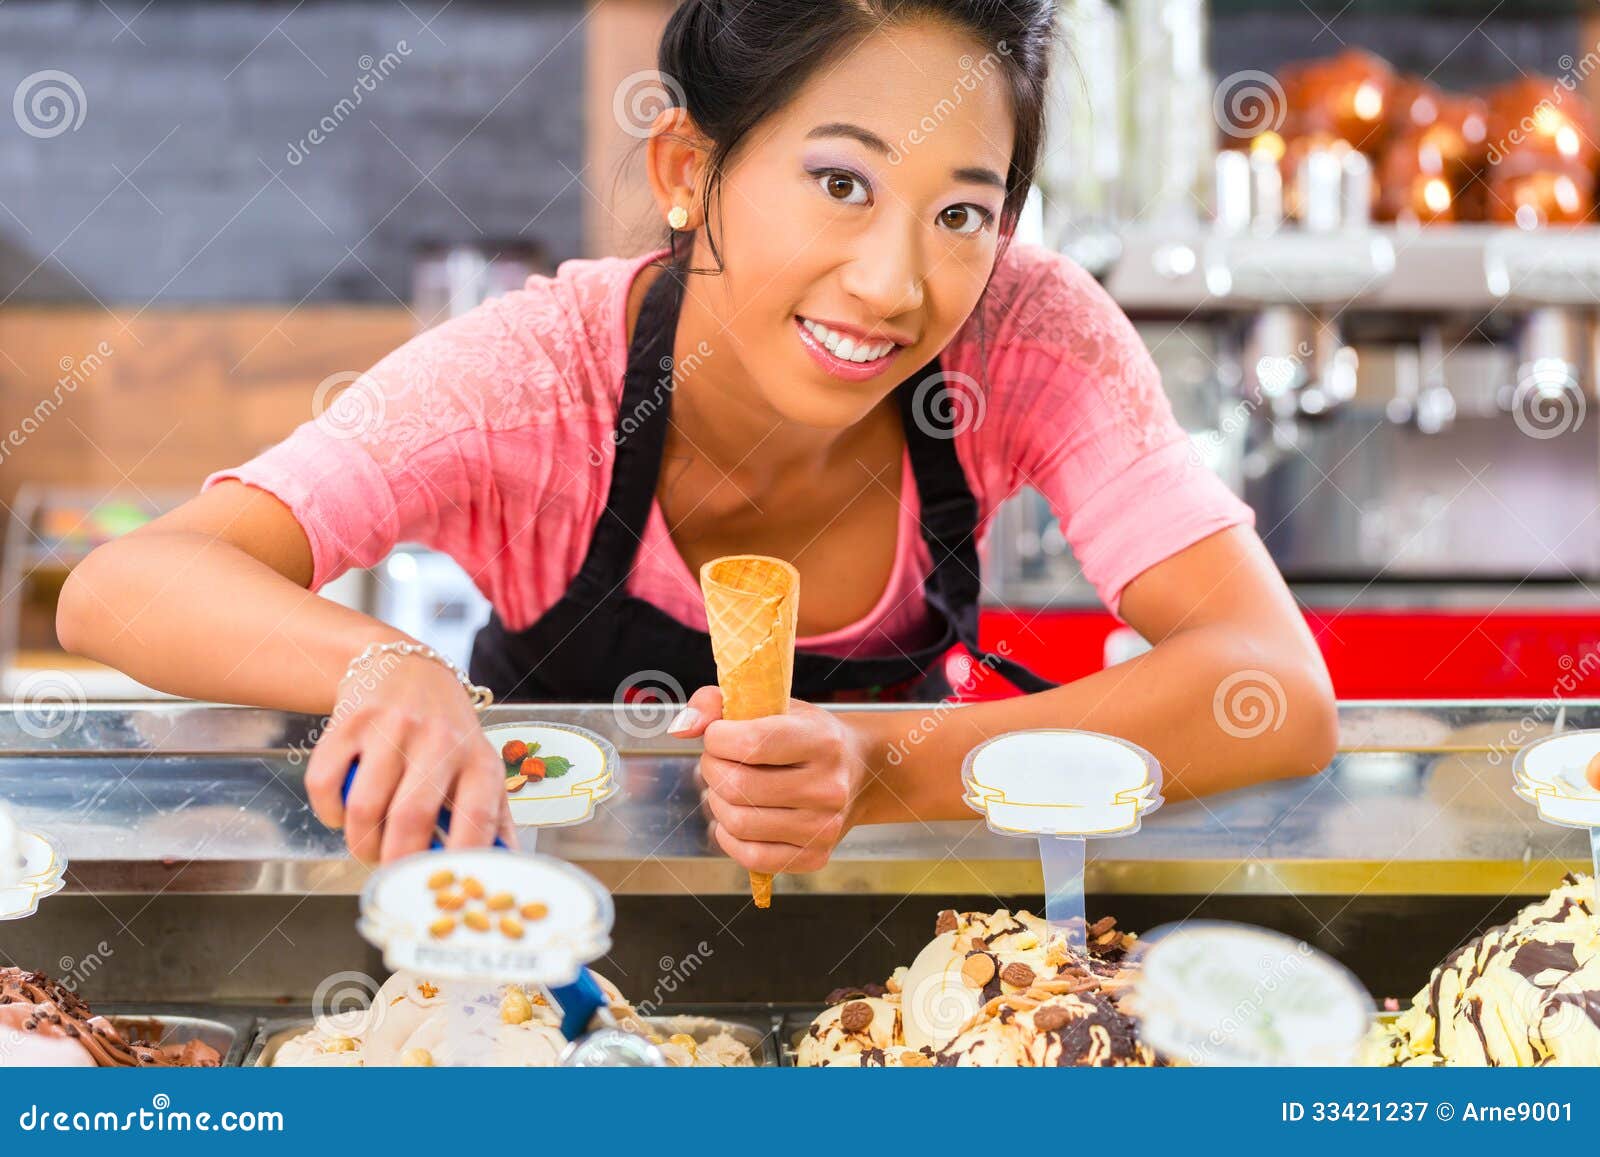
{"x":838,"y":361}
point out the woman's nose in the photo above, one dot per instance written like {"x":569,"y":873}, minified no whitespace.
{"x":886,"y":276}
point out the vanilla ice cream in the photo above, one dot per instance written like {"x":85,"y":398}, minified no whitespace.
{"x":1523,"y":993}
{"x":416,"y":1022}
{"x":990,"y":989}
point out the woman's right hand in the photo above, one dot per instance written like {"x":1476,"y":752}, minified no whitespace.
{"x":413,"y":729}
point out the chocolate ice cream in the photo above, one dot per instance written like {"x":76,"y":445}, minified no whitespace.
{"x":44,"y":1024}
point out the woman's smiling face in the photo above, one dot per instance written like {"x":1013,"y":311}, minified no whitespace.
{"x":858,"y":226}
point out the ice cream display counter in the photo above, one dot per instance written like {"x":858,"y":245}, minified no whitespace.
{"x":200,"y":799}
{"x":198,"y":881}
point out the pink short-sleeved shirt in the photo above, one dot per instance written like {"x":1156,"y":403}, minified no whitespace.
{"x":488,"y":437}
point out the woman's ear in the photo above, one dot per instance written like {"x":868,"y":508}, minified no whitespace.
{"x":675,"y":158}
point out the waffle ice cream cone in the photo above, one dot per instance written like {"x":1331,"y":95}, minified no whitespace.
{"x":751,"y":606}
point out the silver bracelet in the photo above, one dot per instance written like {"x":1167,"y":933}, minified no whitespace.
{"x":481,"y":696}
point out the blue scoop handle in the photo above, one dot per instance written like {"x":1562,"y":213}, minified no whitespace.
{"x":444,"y":813}
{"x":579,"y":1001}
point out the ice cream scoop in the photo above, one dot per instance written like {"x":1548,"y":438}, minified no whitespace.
{"x":1524,"y":993}
{"x":1084,"y":1030}
{"x":415,"y":1022}
{"x":991,"y":988}
{"x":44,"y":1023}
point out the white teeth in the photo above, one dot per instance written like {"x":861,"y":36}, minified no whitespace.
{"x":846,"y":348}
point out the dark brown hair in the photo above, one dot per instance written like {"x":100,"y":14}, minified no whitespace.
{"x":735,"y":62}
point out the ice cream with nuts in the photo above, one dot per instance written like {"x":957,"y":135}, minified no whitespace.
{"x":44,"y":1025}
{"x":413,"y":1022}
{"x":990,"y":989}
{"x":1524,"y":993}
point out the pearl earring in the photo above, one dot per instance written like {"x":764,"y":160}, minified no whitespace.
{"x":678,"y":217}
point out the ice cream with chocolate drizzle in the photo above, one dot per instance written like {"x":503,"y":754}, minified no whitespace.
{"x":990,"y":989}
{"x":42,"y":1024}
{"x":1524,"y":993}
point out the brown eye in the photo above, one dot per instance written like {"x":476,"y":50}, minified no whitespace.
{"x":964,"y":218}
{"x":844,"y":187}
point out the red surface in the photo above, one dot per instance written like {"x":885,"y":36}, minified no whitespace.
{"x":1372,"y":654}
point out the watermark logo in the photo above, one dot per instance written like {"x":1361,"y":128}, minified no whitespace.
{"x":674,"y":372}
{"x":674,"y":973}
{"x":343,"y":1003}
{"x":941,"y":411}
{"x":73,"y":971}
{"x":1249,"y":703}
{"x":646,"y":702}
{"x":74,"y":372}
{"x":1547,"y":402}
{"x":941,"y":1004}
{"x":48,"y":703}
{"x":349,"y":405}
{"x":1248,"y":103}
{"x":49,"y":103}
{"x":973,"y":74}
{"x":641,"y":97}
{"x":372,"y":72}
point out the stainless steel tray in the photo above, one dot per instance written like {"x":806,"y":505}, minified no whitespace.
{"x":228,"y":1033}
{"x":756,"y":1030}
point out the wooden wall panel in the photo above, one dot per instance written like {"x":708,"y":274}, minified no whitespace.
{"x":182,"y":392}
{"x":619,"y":215}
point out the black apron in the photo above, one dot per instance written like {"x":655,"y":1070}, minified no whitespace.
{"x":598,"y":641}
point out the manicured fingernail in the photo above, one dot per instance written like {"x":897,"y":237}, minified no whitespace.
{"x":684,"y":720}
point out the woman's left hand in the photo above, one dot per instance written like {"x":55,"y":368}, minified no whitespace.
{"x":783,"y":790}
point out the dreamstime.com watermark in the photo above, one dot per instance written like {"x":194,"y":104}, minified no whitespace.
{"x":674,"y":372}
{"x":948,"y":404}
{"x":922,"y":729}
{"x":1546,"y":117}
{"x":1250,"y":703}
{"x":1276,"y":971}
{"x":49,"y":103}
{"x":74,"y":373}
{"x":1533,"y":723}
{"x":73,"y":971}
{"x":646,"y":703}
{"x":973,"y":73}
{"x":49,"y":703}
{"x":372,"y":72}
{"x":643,"y":96}
{"x":160,"y":1117}
{"x":675,"y":972}
{"x":362,"y":682}
{"x":1249,"y":102}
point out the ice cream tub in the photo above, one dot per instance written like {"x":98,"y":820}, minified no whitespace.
{"x":165,"y":1028}
{"x":753,"y":1032}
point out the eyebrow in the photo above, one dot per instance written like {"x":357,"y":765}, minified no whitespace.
{"x":975,"y":175}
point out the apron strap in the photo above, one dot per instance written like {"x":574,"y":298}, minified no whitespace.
{"x":950,"y":515}
{"x":640,"y":437}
